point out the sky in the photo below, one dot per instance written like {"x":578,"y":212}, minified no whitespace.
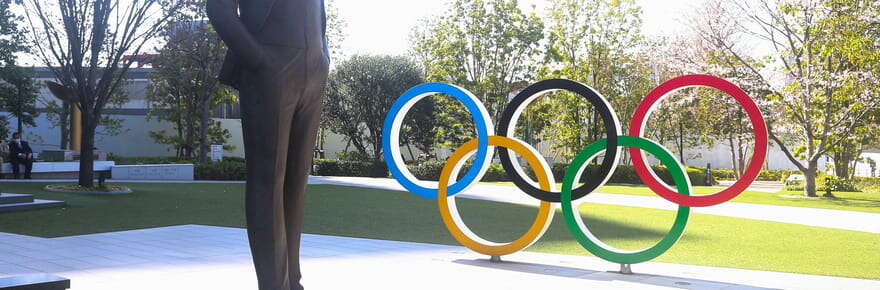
{"x":383,"y":27}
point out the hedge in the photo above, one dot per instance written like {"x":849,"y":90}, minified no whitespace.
{"x":430,"y":170}
{"x":765,"y":175}
{"x":333,"y":167}
{"x":228,"y":169}
{"x":868,"y":184}
{"x":825,"y":182}
{"x":233,"y":168}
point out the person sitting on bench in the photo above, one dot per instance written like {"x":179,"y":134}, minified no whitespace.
{"x":20,"y":153}
{"x":4,"y":152}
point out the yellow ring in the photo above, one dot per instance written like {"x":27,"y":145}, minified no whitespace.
{"x":456,"y":226}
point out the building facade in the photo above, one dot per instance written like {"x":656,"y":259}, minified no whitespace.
{"x":134,"y":140}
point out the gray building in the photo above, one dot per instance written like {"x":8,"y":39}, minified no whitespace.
{"x":134,"y":140}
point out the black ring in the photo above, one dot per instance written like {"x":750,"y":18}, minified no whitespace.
{"x":612,"y":128}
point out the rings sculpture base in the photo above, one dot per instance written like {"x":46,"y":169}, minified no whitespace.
{"x":626,"y":269}
{"x":495,"y":259}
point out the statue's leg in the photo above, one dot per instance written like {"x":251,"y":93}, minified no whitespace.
{"x":264,"y":200}
{"x":304,"y":125}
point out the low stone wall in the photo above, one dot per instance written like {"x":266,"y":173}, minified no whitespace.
{"x":154,"y":172}
{"x":54,"y":170}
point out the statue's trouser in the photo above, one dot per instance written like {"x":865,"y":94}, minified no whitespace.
{"x":280,"y":116}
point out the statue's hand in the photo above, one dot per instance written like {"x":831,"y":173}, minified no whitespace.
{"x":273,"y":59}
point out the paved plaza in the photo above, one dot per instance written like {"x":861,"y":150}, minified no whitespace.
{"x":207,"y":257}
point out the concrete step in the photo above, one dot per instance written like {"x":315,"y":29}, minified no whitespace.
{"x":34,"y":282}
{"x":19,"y":202}
{"x":8,"y":198}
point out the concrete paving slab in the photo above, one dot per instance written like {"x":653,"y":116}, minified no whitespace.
{"x":331,"y":262}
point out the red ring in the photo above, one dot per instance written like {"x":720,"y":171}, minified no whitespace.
{"x":649,"y":104}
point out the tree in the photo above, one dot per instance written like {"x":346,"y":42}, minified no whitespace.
{"x":83,"y":42}
{"x":19,"y":95}
{"x":822,"y":82}
{"x":703,"y":117}
{"x":12,"y":41}
{"x":360,"y":91}
{"x":17,"y":89}
{"x":184,"y":89}
{"x":335,"y":36}
{"x":595,"y":42}
{"x":486,"y":46}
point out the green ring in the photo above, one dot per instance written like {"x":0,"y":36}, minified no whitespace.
{"x":593,"y":244}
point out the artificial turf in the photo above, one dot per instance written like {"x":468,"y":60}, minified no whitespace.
{"x":391,"y":215}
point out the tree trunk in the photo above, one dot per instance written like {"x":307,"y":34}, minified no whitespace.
{"x":842,"y":161}
{"x":87,"y":152}
{"x":810,"y":179}
{"x":63,"y":125}
{"x":681,"y":142}
{"x":203,"y":132}
{"x":412,"y":156}
{"x":733,"y":159}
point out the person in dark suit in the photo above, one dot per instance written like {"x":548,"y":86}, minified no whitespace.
{"x":20,"y":153}
{"x":278,"y":60}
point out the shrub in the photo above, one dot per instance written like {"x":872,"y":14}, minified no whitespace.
{"x":868,"y":184}
{"x":228,"y":169}
{"x":824,"y":182}
{"x":333,"y":167}
{"x":430,"y":170}
{"x":765,"y":175}
{"x":834,"y":183}
{"x":625,"y":173}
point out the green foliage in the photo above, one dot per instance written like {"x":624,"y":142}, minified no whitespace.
{"x":489,"y":47}
{"x":184,"y":89}
{"x":765,"y":175}
{"x":4,"y":128}
{"x":828,"y":54}
{"x":222,"y":170}
{"x":18,"y":95}
{"x":868,"y":184}
{"x":359,"y":93}
{"x":430,"y":170}
{"x":599,"y":43}
{"x":333,"y":167}
{"x":825,"y":182}
{"x":834,"y":183}
{"x":626,"y":174}
{"x":12,"y":40}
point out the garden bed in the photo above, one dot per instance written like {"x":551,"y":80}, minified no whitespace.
{"x":75,"y":188}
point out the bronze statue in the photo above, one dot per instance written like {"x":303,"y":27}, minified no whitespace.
{"x":278,"y":61}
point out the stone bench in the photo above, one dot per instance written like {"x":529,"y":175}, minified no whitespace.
{"x":35,"y":282}
{"x":59,"y":170}
{"x":154,"y":172}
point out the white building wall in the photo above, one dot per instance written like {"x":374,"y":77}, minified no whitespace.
{"x":864,"y":169}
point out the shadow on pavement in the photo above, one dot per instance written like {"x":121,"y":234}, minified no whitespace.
{"x":577,"y":273}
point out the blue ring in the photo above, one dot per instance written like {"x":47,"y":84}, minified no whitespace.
{"x":482,"y":137}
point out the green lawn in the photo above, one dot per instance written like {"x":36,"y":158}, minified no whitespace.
{"x":852,"y":201}
{"x":370,"y":213}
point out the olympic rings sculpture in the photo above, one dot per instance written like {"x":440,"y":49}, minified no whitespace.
{"x":545,"y":188}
